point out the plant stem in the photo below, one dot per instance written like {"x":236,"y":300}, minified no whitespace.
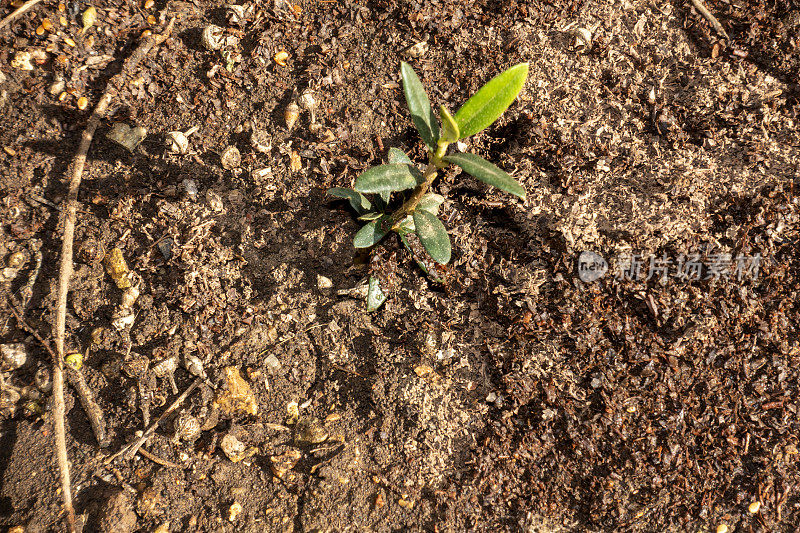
{"x":428,"y":177}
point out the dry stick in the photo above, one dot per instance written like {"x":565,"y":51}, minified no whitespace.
{"x":19,"y":11}
{"x":130,"y":450}
{"x":698,"y":5}
{"x":93,"y":411}
{"x":158,"y":460}
{"x":65,"y":270}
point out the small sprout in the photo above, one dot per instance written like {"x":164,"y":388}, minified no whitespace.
{"x":308,"y":103}
{"x":290,"y":115}
{"x":89,"y":18}
{"x":414,"y":215}
{"x":122,"y":319}
{"x":178,"y":141}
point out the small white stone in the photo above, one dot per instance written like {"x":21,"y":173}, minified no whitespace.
{"x":323,"y":283}
{"x":212,"y":37}
{"x":231,"y":158}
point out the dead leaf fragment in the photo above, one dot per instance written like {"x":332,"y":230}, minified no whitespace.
{"x":238,"y":397}
{"x":117,"y":268}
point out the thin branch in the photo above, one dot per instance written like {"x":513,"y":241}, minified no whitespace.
{"x":130,"y":450}
{"x":698,"y":5}
{"x":65,"y":270}
{"x":17,"y":12}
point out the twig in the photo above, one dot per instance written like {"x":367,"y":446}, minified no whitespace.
{"x":27,"y":290}
{"x":130,"y":450}
{"x":90,"y":406}
{"x":158,"y":460}
{"x":93,"y":411}
{"x":698,"y":5}
{"x":19,"y":11}
{"x":65,"y":270}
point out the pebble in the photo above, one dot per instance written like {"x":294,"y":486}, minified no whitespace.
{"x":233,"y":448}
{"x":309,"y":432}
{"x":324,"y":283}
{"x":14,"y":355}
{"x":212,"y":37}
{"x":238,"y":397}
{"x":126,"y":136}
{"x":190,"y":186}
{"x":22,"y":61}
{"x":754,"y":507}
{"x":234,"y":511}
{"x":272,"y":363}
{"x":214,"y":201}
{"x":231,"y":158}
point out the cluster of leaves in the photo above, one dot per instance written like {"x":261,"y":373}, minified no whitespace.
{"x":414,"y":216}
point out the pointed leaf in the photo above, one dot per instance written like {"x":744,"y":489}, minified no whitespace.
{"x":486,"y":172}
{"x":450,"y":133}
{"x":387,"y":178}
{"x":372,"y":215}
{"x":421,"y":257}
{"x":431,"y":202}
{"x":375,"y":295}
{"x":491,"y":100}
{"x":398,"y":156}
{"x":357,"y":200}
{"x":372,"y":233}
{"x":433,"y":235}
{"x":420,"y":106}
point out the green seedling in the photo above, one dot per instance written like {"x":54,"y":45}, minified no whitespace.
{"x":414,"y":216}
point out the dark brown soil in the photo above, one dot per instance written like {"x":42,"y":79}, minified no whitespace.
{"x":516,"y":398}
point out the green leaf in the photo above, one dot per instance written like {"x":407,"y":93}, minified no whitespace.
{"x":486,"y":172}
{"x":406,"y":226}
{"x":491,"y":100}
{"x":421,"y":257}
{"x":420,"y":106}
{"x":433,"y":235}
{"x":374,"y":215}
{"x":357,"y":200}
{"x":450,"y":134}
{"x":372,"y":233}
{"x":387,"y":178}
{"x":375,"y":295}
{"x":431,"y":202}
{"x":398,"y":156}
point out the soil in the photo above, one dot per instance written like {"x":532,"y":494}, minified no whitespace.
{"x":518,"y":397}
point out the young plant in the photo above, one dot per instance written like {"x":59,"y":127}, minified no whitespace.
{"x":414,"y":216}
